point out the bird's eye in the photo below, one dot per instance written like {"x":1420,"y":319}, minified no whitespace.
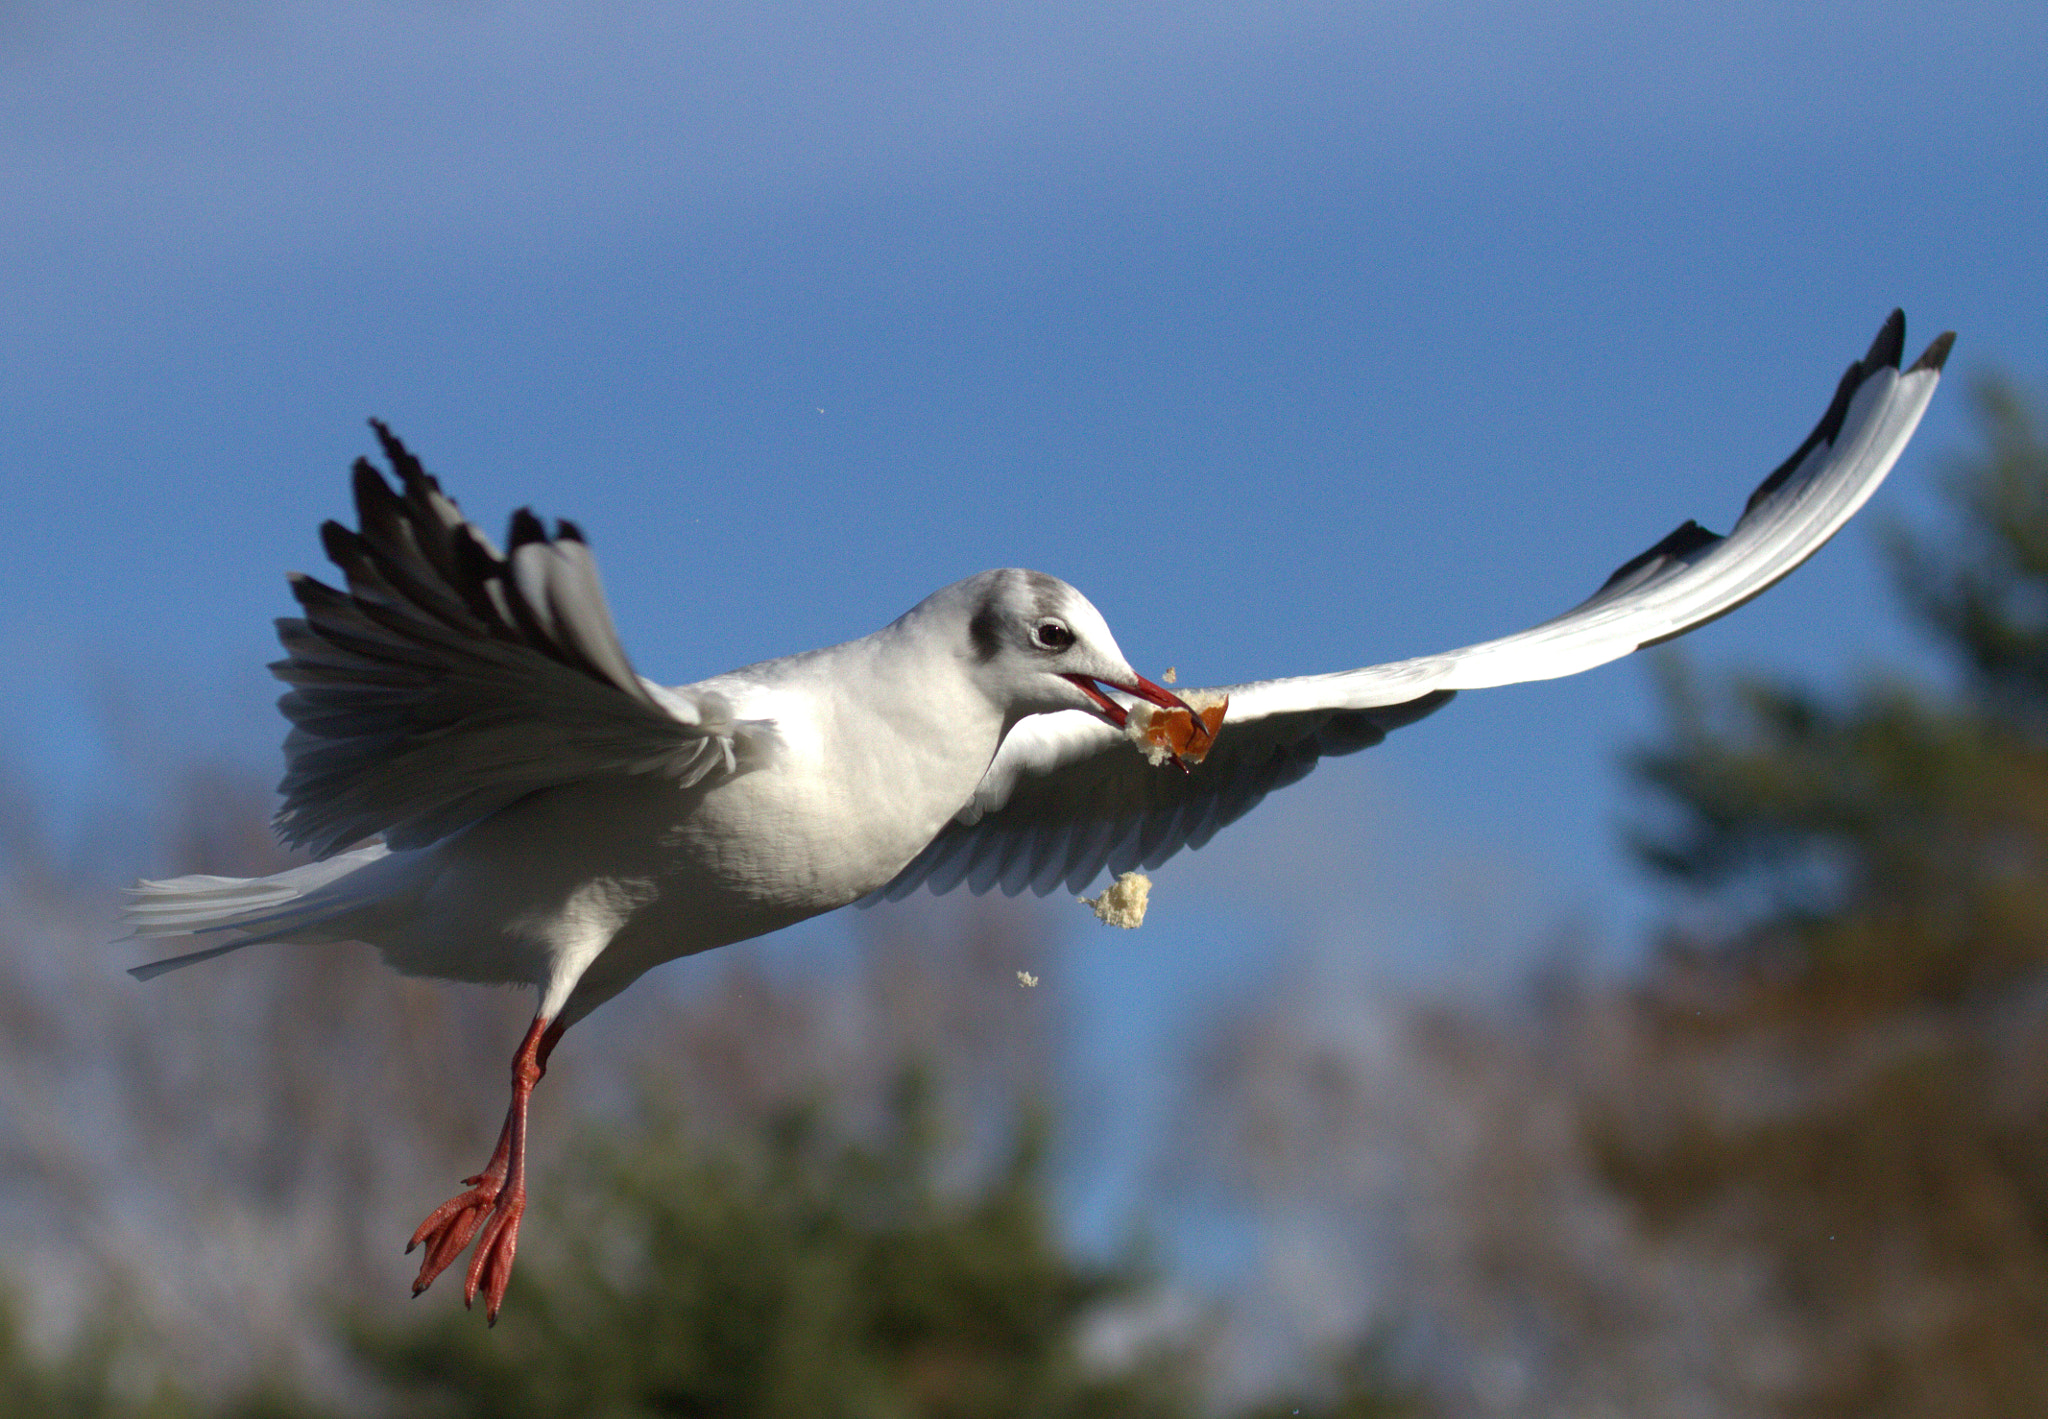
{"x":1051,"y":635}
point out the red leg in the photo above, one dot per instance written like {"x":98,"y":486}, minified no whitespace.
{"x":498,"y":1193}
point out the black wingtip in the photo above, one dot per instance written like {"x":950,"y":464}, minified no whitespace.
{"x":394,"y":449}
{"x":1681,"y":541}
{"x":371,"y":492}
{"x":314,"y":594}
{"x":342,"y":545}
{"x":1884,"y":352}
{"x":567,"y":531}
{"x":1890,"y":345}
{"x":525,"y":528}
{"x":1936,"y":354}
{"x":410,"y":470}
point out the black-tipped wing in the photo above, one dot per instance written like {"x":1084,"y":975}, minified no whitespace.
{"x":1067,"y":796}
{"x":450,"y":680}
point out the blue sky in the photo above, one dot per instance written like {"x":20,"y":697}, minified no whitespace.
{"x":1299,"y":336}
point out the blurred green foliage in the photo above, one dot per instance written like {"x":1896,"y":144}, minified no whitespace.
{"x":96,"y":1378}
{"x":1359,"y":1382}
{"x":75,"y":1385}
{"x":1870,"y":1004}
{"x":810,"y":1269}
{"x":806,"y":1273}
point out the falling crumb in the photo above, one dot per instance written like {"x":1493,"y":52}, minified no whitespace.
{"x":1026,"y":979}
{"x":1169,"y":677}
{"x":1122,"y":902}
{"x":1163,"y":734}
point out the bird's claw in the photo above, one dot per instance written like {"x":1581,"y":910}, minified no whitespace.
{"x":449,"y":1227}
{"x":490,"y":1270}
{"x":496,"y":1199}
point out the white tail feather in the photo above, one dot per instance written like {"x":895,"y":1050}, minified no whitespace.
{"x":258,"y":908}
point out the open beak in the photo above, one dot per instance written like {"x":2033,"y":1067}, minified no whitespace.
{"x":1145,"y":690}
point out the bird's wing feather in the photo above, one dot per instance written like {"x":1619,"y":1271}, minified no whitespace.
{"x":450,"y":679}
{"x":1067,"y":795}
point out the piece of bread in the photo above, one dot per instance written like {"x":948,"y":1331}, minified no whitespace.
{"x":1171,"y":733}
{"x":1122,"y":902}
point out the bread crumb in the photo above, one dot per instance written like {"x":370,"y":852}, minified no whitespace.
{"x":1026,"y":979}
{"x":1169,"y":677}
{"x":1163,"y":734}
{"x":1122,"y":902}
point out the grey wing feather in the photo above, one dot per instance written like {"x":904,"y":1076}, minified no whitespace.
{"x":1068,"y":796}
{"x":450,"y":679}
{"x":1082,"y":799}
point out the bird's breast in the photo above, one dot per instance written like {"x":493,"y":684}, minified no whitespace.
{"x":831,"y":817}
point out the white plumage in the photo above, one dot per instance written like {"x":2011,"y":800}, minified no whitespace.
{"x":493,"y":794}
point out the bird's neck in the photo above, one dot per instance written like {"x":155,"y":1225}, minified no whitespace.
{"x":879,"y":762}
{"x":925,"y":701}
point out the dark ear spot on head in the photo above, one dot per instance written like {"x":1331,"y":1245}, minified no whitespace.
{"x":984,"y":632}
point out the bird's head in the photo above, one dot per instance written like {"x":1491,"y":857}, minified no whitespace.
{"x":1036,"y":645}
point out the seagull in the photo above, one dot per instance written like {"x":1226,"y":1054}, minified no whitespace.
{"x":488,"y":791}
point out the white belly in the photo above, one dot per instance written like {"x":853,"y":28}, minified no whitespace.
{"x":634,"y":871}
{"x":599,"y":881}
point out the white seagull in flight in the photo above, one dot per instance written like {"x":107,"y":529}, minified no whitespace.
{"x":490,"y":792}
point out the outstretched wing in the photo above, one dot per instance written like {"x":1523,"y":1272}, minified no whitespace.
{"x":449,"y":679}
{"x":1068,"y":796}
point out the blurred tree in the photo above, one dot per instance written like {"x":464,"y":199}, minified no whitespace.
{"x":1359,"y":1383}
{"x":1846,"y":1074}
{"x":76,"y":1385}
{"x":806,"y":1272}
{"x":96,"y":1377}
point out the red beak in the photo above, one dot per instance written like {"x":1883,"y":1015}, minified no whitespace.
{"x":1145,"y":690}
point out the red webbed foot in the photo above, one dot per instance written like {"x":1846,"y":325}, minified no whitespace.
{"x":490,"y":1270}
{"x":496,"y":1200}
{"x":449,"y":1227}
